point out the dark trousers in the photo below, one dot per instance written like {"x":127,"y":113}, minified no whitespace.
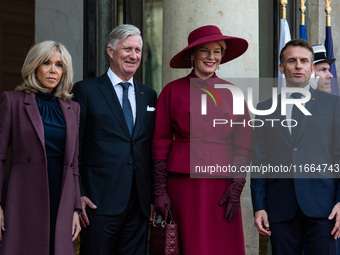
{"x":289,"y":237}
{"x":123,"y":234}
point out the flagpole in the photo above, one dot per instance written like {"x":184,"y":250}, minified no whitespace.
{"x":328,"y":10}
{"x":284,"y":38}
{"x":283,"y":8}
{"x":302,"y":26}
{"x":303,"y":9}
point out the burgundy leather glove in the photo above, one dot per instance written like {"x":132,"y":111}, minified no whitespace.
{"x":162,"y":200}
{"x":231,"y":197}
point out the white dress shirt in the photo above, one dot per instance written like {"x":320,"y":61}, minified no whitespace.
{"x":115,"y":80}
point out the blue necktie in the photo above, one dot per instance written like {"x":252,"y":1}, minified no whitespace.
{"x":296,"y":115}
{"x":127,"y":106}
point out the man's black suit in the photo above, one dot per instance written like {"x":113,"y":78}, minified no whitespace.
{"x":112,"y":162}
{"x":311,"y":194}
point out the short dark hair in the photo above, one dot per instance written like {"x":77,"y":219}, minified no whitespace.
{"x":295,"y":43}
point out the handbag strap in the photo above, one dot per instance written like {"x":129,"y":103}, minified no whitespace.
{"x":163,"y":222}
{"x":171,"y":219}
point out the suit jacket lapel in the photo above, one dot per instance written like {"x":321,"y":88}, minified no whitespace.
{"x":71,"y":125}
{"x":70,"y":139}
{"x":34,"y":115}
{"x":140,"y":112}
{"x":278,"y":115}
{"x":112,"y":100}
{"x":311,"y":106}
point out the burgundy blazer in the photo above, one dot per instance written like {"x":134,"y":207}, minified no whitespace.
{"x":24,"y":194}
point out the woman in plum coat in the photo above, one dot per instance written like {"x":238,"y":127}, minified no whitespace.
{"x":185,"y":143}
{"x":39,"y":195}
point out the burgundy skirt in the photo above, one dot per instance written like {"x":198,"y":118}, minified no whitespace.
{"x":202,"y":227}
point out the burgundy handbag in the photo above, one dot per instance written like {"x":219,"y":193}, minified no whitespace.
{"x":164,"y":237}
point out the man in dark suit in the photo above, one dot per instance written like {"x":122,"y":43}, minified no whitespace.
{"x":303,"y":206}
{"x":116,"y":127}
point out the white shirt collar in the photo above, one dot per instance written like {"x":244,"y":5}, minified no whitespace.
{"x":289,"y":93}
{"x":115,"y":79}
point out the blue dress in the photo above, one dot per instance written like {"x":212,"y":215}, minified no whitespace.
{"x":54,"y":133}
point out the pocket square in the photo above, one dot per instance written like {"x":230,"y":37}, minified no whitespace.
{"x":150,"y":109}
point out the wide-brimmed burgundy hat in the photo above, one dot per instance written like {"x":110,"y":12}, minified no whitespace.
{"x":235,"y":46}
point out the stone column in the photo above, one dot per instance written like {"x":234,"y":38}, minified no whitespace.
{"x":62,"y":21}
{"x":181,"y":17}
{"x":234,"y":18}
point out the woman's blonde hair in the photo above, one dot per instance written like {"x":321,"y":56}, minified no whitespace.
{"x":36,"y":56}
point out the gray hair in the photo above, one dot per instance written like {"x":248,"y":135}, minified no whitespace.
{"x":120,"y":33}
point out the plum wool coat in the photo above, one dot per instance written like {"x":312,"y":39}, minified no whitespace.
{"x":24,"y":193}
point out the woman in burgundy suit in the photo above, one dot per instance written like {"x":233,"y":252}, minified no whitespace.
{"x":206,"y":209}
{"x":39,"y":195}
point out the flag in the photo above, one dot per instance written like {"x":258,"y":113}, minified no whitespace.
{"x":330,"y":54}
{"x":284,"y":38}
{"x":303,"y":32}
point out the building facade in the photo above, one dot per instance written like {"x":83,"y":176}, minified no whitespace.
{"x":83,"y":27}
